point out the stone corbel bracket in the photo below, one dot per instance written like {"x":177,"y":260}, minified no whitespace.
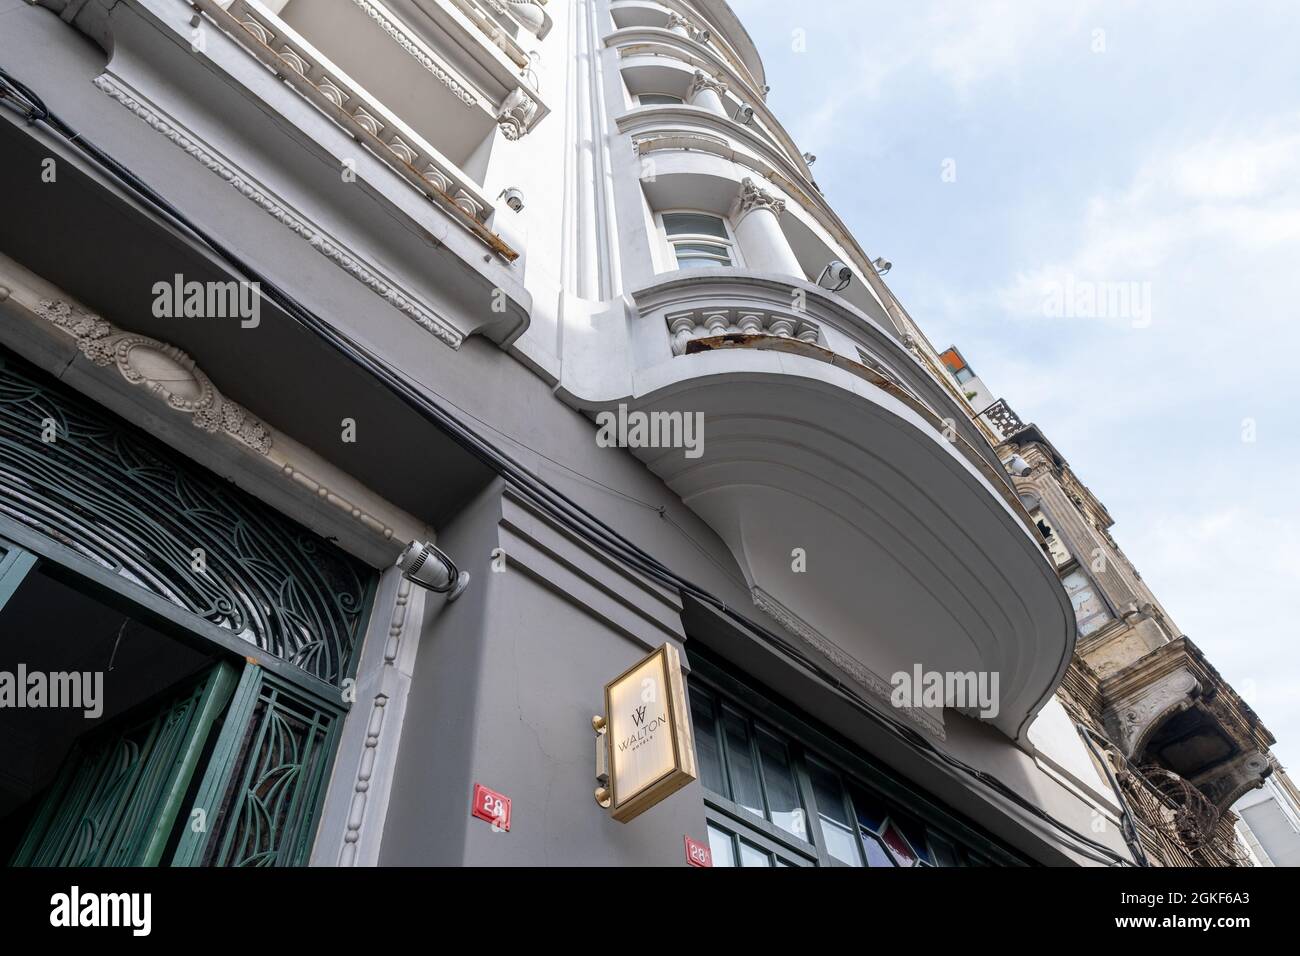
{"x":518,"y":114}
{"x":156,"y":379}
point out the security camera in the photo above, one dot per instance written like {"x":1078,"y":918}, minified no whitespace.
{"x":836,"y":276}
{"x":1017,"y":466}
{"x":514,"y":198}
{"x":428,"y":566}
{"x":701,"y":36}
{"x":809,"y":158}
{"x":745,"y":114}
{"x":882,"y":266}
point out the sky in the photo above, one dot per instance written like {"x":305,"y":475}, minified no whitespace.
{"x":1098,"y":202}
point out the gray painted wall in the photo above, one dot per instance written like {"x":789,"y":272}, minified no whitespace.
{"x":508,"y":677}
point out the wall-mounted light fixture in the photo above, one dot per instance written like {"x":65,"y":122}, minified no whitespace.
{"x":1017,"y":466}
{"x":836,"y":276}
{"x":428,"y":566}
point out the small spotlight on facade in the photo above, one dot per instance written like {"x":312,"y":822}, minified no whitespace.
{"x":428,"y":566}
{"x":836,"y":276}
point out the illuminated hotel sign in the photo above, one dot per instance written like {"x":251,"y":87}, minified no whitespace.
{"x":647,"y":731}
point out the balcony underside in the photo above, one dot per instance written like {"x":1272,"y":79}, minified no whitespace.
{"x":912,"y":556}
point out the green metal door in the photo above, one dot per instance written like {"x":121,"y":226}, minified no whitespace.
{"x":116,"y":800}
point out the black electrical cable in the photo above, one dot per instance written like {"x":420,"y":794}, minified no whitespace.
{"x":1128,"y":827}
{"x":550,"y":499}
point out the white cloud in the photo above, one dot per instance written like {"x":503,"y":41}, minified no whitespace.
{"x":961,"y":45}
{"x":1224,"y":203}
{"x":969,"y":42}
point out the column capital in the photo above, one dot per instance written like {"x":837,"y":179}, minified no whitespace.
{"x":703,"y":81}
{"x":752,"y":196}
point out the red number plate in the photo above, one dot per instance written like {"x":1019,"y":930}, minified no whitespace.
{"x":491,"y":806}
{"x":698,"y":854}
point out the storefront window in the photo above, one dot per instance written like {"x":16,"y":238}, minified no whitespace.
{"x":773,"y":798}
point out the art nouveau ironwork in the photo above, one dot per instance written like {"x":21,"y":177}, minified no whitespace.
{"x":131,"y":504}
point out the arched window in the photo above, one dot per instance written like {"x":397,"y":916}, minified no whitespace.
{"x":698,"y":240}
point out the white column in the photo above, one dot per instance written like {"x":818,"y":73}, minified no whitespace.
{"x":758,"y":230}
{"x":707,"y":92}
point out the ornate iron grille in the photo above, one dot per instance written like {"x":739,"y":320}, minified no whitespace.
{"x":113,"y":801}
{"x":102,"y":487}
{"x":1003,"y":418}
{"x":265,"y":778}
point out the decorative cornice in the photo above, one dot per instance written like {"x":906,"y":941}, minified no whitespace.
{"x":752,"y":197}
{"x":399,"y":34}
{"x":309,"y":232}
{"x":162,"y":369}
{"x":863,"y":675}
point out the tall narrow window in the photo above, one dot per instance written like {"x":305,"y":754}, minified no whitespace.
{"x":1089,"y":609}
{"x":837,"y":828}
{"x":698,"y":240}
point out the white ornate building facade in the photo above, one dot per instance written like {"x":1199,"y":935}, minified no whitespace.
{"x":286,"y":285}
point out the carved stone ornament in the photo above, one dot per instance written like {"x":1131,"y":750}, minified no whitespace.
{"x":1175,"y":691}
{"x":702,"y":81}
{"x":162,"y":369}
{"x":516,"y":114}
{"x":753,"y":197}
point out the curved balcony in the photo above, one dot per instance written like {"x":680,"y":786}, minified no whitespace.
{"x":1171,"y":710}
{"x":727,"y":35}
{"x":688,"y":168}
{"x":647,"y":43}
{"x":917,"y":549}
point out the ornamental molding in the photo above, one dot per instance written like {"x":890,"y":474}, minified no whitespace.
{"x":361,"y":785}
{"x":162,"y":370}
{"x":352,"y":821}
{"x":383,"y":286}
{"x":169,"y":375}
{"x":703,"y":81}
{"x":399,"y":34}
{"x":700,"y":323}
{"x":752,"y":196}
{"x":876,"y":685}
{"x":1135,"y":718}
